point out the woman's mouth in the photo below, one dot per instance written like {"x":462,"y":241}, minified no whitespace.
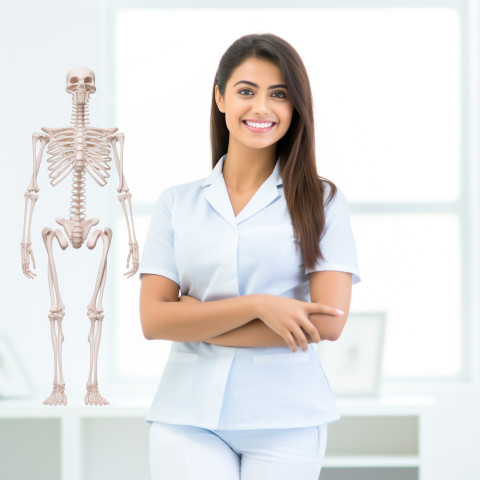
{"x":259,"y":126}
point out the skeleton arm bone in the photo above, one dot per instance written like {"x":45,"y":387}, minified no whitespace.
{"x":25,"y":246}
{"x":125,"y":195}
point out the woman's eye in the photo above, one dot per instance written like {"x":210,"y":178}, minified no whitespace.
{"x":279,"y":94}
{"x":245,"y":91}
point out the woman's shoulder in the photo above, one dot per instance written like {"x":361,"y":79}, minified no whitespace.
{"x":334,"y":199}
{"x":191,"y":186}
{"x":182,"y":190}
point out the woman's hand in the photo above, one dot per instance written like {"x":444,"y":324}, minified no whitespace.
{"x":289,"y":318}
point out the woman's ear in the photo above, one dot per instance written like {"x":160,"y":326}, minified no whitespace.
{"x":219,"y":99}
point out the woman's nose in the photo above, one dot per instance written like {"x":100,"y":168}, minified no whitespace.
{"x":261,"y":105}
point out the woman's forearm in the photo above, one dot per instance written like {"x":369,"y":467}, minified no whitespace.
{"x":195,"y":321}
{"x":253,"y":334}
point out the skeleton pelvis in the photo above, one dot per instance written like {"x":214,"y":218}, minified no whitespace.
{"x":77,"y":230}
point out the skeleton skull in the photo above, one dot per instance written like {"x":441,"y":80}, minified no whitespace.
{"x":80,"y":83}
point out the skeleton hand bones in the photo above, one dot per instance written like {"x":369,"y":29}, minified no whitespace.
{"x":26,"y":254}
{"x":134,"y":255}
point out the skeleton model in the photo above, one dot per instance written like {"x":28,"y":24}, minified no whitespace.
{"x":78,"y":148}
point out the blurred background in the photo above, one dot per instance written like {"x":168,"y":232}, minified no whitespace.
{"x":395,"y":87}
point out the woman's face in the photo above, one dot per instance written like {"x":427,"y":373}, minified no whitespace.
{"x":256,"y":103}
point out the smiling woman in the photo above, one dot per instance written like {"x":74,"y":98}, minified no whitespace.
{"x":259,"y":108}
{"x":371,"y":144}
{"x":256,"y":117}
{"x":263,"y":256}
{"x":291,"y":140}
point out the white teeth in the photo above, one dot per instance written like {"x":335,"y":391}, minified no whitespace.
{"x":259,"y":125}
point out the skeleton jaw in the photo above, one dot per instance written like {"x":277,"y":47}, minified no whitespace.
{"x":80,"y":95}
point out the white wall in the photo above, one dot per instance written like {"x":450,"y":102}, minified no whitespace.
{"x":39,"y":43}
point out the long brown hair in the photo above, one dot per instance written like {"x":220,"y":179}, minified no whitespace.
{"x":304,"y":189}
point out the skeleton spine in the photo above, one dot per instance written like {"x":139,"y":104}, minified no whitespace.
{"x":77,"y":204}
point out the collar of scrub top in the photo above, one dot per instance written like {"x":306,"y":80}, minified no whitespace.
{"x":217,"y":194}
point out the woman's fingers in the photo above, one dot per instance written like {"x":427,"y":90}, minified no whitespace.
{"x":311,"y":330}
{"x":289,"y":318}
{"x":304,"y":332}
{"x":288,"y":337}
{"x":301,"y":339}
{"x":325,"y":309}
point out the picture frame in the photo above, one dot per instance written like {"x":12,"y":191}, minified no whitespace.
{"x":14,"y":382}
{"x":353,"y":363}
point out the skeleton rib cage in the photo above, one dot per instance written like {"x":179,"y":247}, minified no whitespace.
{"x":80,"y":148}
{"x":63,"y":148}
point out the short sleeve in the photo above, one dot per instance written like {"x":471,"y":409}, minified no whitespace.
{"x":158,"y":255}
{"x":337,"y":243}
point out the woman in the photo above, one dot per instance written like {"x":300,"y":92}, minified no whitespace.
{"x":263,"y":256}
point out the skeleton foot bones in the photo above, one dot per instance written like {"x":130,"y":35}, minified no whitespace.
{"x":78,"y":148}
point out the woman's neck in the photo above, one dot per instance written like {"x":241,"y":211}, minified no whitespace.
{"x":247,"y":168}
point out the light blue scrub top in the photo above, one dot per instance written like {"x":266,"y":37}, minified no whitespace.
{"x":195,"y":240}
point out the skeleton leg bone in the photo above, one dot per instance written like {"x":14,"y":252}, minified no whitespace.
{"x":94,"y":312}
{"x":57,"y":312}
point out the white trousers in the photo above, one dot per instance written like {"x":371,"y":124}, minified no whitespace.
{"x":183,"y":452}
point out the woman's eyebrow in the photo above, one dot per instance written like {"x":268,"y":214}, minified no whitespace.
{"x":281,"y":85}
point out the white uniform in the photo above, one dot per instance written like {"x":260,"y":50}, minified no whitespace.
{"x":195,"y":240}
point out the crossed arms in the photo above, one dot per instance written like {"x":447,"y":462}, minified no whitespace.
{"x":259,"y":320}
